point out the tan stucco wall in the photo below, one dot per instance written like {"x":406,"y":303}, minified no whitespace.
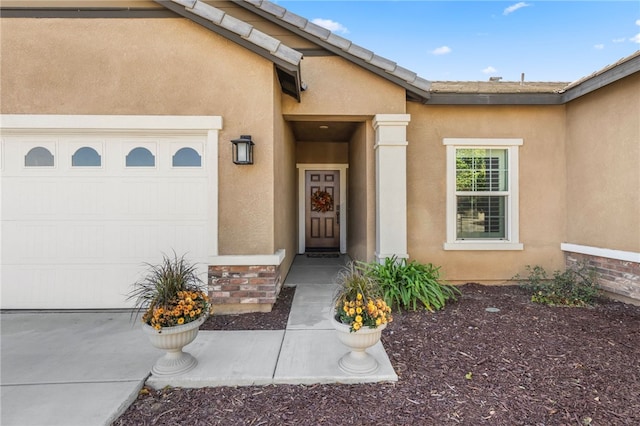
{"x":361,"y":208}
{"x":542,"y":187}
{"x":353,"y":91}
{"x":286,"y":184}
{"x":603,"y":167}
{"x":322,"y":152}
{"x":156,"y":67}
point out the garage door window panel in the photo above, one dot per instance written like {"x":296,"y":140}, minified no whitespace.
{"x":86,"y":157}
{"x":187,"y":157}
{"x":39,"y":157}
{"x":140,"y":157}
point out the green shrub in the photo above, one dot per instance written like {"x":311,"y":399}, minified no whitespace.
{"x":408,"y":285}
{"x":577,"y":286}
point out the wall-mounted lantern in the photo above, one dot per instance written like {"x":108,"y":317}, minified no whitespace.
{"x":243,"y":150}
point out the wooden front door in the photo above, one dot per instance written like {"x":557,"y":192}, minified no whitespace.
{"x":322,"y":210}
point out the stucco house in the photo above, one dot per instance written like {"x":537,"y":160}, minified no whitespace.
{"x":117,"y":125}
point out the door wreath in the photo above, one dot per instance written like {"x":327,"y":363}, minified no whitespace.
{"x":321,"y":201}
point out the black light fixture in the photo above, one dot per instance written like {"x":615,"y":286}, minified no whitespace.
{"x":243,"y":150}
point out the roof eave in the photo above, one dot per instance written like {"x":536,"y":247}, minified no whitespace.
{"x":495,"y":99}
{"x":413,"y":93}
{"x":618,"y":71}
{"x":288,"y":73}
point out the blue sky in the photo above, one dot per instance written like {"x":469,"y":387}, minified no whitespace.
{"x":475,"y":40}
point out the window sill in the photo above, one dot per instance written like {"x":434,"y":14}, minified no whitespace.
{"x":483,"y":245}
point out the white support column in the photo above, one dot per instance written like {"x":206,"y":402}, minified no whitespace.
{"x":391,"y":185}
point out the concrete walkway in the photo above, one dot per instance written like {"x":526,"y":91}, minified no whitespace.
{"x":86,"y":368}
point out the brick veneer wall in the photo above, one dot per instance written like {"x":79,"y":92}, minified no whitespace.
{"x":619,"y":277}
{"x":241,"y":289}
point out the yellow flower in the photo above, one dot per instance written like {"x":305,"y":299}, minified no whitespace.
{"x":180,"y":320}
{"x":356,"y":326}
{"x":359,"y":296}
{"x":378,"y":321}
{"x":352,"y":311}
{"x":358,"y":310}
{"x":157,"y":326}
{"x":358,"y":318}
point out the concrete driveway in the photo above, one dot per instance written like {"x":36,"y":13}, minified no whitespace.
{"x":71,"y":368}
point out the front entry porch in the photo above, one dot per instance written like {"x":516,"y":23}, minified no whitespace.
{"x":306,"y":352}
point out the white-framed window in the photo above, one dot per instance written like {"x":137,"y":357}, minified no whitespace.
{"x":482,"y":194}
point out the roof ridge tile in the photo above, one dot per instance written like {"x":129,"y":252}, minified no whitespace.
{"x":317,"y":30}
{"x":204,"y":10}
{"x":186,"y":3}
{"x":243,"y":29}
{"x":360,"y":52}
{"x":295,"y":20}
{"x":345,"y":45}
{"x":235,"y":25}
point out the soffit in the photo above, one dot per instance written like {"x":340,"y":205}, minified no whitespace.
{"x":323,"y":131}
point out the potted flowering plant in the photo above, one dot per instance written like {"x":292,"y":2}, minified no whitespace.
{"x":173,"y":305}
{"x":359,"y":302}
{"x":360,"y":315}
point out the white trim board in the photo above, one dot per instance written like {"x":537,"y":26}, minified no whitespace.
{"x":31,"y":122}
{"x":302,"y":169}
{"x":627,"y":256}
{"x":249,"y":260}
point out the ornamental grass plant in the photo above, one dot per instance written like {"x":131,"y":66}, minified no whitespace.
{"x":170,"y":294}
{"x":410,"y":285}
{"x":359,"y":302}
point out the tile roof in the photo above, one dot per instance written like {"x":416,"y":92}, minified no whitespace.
{"x":417,"y":87}
{"x":243,"y":29}
{"x":624,"y":61}
{"x":497,"y":87}
{"x":341,"y":46}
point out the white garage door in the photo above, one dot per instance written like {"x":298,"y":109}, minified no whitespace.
{"x":83,"y":209}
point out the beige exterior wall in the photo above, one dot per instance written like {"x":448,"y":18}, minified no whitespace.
{"x":285,"y":196}
{"x":155,"y":67}
{"x":353,"y":92}
{"x":322,"y":152}
{"x":603,"y":167}
{"x":542,"y":187}
{"x":361,"y":220}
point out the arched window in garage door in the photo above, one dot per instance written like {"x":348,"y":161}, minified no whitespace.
{"x":86,"y":157}
{"x":39,"y":157}
{"x":187,"y":157}
{"x":140,"y":157}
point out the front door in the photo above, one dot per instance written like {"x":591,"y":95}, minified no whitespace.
{"x":322,"y":210}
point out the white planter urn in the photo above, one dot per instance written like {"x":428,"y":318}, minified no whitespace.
{"x":357,"y":360}
{"x":172,"y":340}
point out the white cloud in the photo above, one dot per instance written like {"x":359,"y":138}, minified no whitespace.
{"x":333,"y":26}
{"x":598,"y":46}
{"x":443,"y":50}
{"x":515,"y":7}
{"x":635,"y":38}
{"x":619,"y":40}
{"x":638,"y":22}
{"x":489,"y":70}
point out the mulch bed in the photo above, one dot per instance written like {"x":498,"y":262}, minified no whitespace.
{"x":274,"y":320}
{"x":527,"y":364}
